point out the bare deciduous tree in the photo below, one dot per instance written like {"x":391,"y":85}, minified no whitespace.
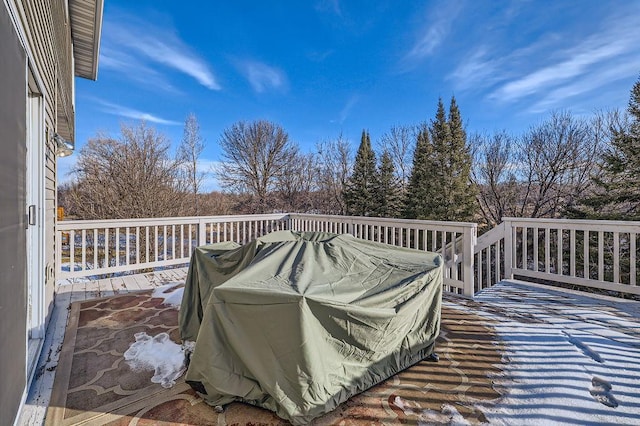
{"x":189,"y":153}
{"x":334,"y":167}
{"x":297,"y":183}
{"x":495,"y":176}
{"x":399,"y":142}
{"x":255,"y":154}
{"x":542,"y":174}
{"x":129,"y":177}
{"x":556,"y":157}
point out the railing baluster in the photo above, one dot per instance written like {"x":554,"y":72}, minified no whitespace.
{"x":107,"y":243}
{"x":601,"y":255}
{"x":83,"y":237}
{"x":525,"y":242}
{"x":127,"y":246}
{"x":585,"y":249}
{"x":632,"y":258}
{"x":560,"y":268}
{"x":616,"y":257}
{"x":146,"y":245}
{"x":95,"y":248}
{"x":117,"y":246}
{"x":535,"y":248}
{"x":137,"y":245}
{"x":572,"y":252}
{"x":156,"y":232}
{"x":547,"y":250}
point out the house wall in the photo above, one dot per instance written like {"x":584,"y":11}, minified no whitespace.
{"x":35,"y":38}
{"x":47,"y":32}
{"x":13,"y":297}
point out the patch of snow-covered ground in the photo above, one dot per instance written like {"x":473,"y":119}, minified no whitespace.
{"x":171,"y":293}
{"x":571,"y":358}
{"x":159,"y":353}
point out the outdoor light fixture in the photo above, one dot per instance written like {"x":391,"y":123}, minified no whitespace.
{"x":64,"y":148}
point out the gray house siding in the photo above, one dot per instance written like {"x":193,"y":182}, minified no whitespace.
{"x":13,"y":293}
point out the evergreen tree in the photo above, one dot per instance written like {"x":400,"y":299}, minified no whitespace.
{"x":461,"y":192}
{"x":617,"y":194}
{"x":440,"y":184}
{"x":416,"y":204}
{"x":387,"y":189}
{"x":359,"y":188}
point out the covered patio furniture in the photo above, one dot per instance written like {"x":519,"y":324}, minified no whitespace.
{"x":299,"y":322}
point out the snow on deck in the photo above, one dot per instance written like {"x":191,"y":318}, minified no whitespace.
{"x":571,"y":357}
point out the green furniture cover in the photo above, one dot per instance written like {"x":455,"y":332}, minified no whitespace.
{"x":299,"y":322}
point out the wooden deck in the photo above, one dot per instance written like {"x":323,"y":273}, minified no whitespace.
{"x":37,"y":401}
{"x":581,"y":346}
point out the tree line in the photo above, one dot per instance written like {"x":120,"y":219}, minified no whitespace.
{"x":563,"y":166}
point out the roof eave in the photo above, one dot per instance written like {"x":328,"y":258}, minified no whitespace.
{"x":83,"y":35}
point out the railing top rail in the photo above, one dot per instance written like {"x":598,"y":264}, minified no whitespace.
{"x":385,"y":220}
{"x":571,"y":221}
{"x":586,"y":224}
{"x":90,"y":224}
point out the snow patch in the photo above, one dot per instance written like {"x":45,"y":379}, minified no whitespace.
{"x":171,"y":293}
{"x":403,"y":405}
{"x":449,"y":415}
{"x":158,"y":353}
{"x":556,"y":361}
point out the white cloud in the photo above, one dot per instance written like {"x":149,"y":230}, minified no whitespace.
{"x":136,"y":38}
{"x":262,"y":77}
{"x":580,"y":67}
{"x":587,"y":84}
{"x":478,"y":69}
{"x":122,"y":111}
{"x":346,"y":110}
{"x":438,"y":25}
{"x":133,"y":69}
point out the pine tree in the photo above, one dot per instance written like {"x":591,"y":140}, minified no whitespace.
{"x":416,"y":204}
{"x":387,"y":189}
{"x":461,"y":192}
{"x":440,"y":184}
{"x":359,"y":189}
{"x":617,"y":194}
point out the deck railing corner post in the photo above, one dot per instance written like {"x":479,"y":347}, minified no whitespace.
{"x":469,"y":241}
{"x":508,"y":248}
{"x":202,"y":232}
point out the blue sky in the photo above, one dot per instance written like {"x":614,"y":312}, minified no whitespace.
{"x":325,"y":68}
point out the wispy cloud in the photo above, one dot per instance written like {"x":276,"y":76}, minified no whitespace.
{"x":587,"y":84}
{"x":329,"y":5}
{"x":579,"y":69}
{"x":429,"y":37}
{"x":133,"y":69}
{"x":122,"y":111}
{"x":157,"y":45}
{"x":346,"y":110}
{"x":262,"y":77}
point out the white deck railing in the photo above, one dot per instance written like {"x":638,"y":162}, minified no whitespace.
{"x":417,"y":234}
{"x":599,"y":254}
{"x":592,"y":253}
{"x":97,"y":247}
